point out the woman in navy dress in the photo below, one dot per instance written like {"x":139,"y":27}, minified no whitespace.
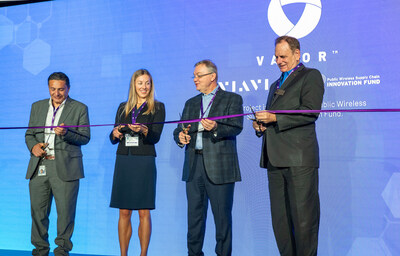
{"x":139,"y":123}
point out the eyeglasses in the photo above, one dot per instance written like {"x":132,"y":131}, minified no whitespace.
{"x":200,"y":76}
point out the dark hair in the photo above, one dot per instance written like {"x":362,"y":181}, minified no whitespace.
{"x":59,"y":76}
{"x":294,"y":44}
{"x":210,"y":66}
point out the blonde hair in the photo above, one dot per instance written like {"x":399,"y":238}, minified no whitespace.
{"x":133,"y":98}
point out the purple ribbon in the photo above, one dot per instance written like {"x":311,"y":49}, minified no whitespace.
{"x":55,"y":110}
{"x":384,"y":110}
{"x":280,"y":82}
{"x":209,"y":104}
{"x":134,"y":115}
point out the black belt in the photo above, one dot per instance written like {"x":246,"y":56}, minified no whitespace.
{"x":198,"y":151}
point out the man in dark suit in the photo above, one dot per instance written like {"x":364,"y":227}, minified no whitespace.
{"x":56,"y":164}
{"x":290,"y":151}
{"x":211,"y":165}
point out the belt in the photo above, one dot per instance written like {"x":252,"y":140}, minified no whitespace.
{"x":198,"y":151}
{"x":49,"y":157}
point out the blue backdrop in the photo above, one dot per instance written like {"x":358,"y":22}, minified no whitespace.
{"x":99,"y":44}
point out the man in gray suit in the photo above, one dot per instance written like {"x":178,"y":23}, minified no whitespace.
{"x":211,"y":165}
{"x":56,"y":164}
{"x":290,"y":151}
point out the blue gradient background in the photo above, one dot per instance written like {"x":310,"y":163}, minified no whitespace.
{"x":99,"y":44}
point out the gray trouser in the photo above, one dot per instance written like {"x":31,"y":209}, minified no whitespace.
{"x":42,"y":189}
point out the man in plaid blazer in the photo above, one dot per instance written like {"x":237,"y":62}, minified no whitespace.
{"x":211,"y":165}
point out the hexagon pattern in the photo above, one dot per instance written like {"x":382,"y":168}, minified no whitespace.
{"x":18,"y":15}
{"x":36,"y":56}
{"x":391,"y":236}
{"x":6,"y":31}
{"x":23,"y":33}
{"x":39,"y":13}
{"x":391,"y":194}
{"x":366,"y":246}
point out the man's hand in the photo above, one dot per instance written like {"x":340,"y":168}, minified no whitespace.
{"x":209,"y":125}
{"x":59,"y":130}
{"x":38,"y":149}
{"x":184,"y":138}
{"x":258,"y":126}
{"x":265,"y":117}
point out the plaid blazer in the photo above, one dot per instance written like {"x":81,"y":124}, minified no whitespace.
{"x":219,"y":147}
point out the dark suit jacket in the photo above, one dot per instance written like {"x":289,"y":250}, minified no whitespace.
{"x":292,"y":140}
{"x":146,"y":144}
{"x":219,"y":147}
{"x":67,"y":148}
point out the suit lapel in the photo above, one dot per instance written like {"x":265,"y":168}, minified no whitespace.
{"x":44,"y":109}
{"x":271,"y":96}
{"x":67,"y":109}
{"x":196,"y":106}
{"x":289,"y":80}
{"x":195,"y":112}
{"x":286,"y":84}
{"x":216,"y":102}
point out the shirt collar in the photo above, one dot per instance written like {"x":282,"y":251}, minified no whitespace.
{"x":51,"y":103}
{"x":211,"y":93}
{"x":288,"y":72}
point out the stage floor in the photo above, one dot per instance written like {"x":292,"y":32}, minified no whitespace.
{"x":29,"y":253}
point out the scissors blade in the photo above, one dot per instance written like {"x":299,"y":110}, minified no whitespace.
{"x":255,"y":118}
{"x":182,"y":125}
{"x":252,"y":110}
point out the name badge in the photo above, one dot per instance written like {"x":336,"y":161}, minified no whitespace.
{"x":42,"y":170}
{"x":280,"y":92}
{"x":131,"y":141}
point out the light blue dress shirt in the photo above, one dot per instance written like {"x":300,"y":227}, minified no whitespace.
{"x":206,"y":99}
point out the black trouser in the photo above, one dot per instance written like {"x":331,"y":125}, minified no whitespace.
{"x":295,"y":209}
{"x":198,"y":190}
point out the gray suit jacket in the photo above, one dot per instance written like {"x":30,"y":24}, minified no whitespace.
{"x":67,"y":148}
{"x":292,"y":140}
{"x":219,"y":147}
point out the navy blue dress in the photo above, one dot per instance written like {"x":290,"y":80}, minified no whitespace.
{"x":134,"y":183}
{"x":135,"y":174}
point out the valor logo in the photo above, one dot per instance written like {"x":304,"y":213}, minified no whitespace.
{"x":281,"y":25}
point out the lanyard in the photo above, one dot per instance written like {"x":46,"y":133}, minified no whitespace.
{"x":278,"y":84}
{"x":209,"y":104}
{"x":54,"y":116}
{"x":134,"y":115}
